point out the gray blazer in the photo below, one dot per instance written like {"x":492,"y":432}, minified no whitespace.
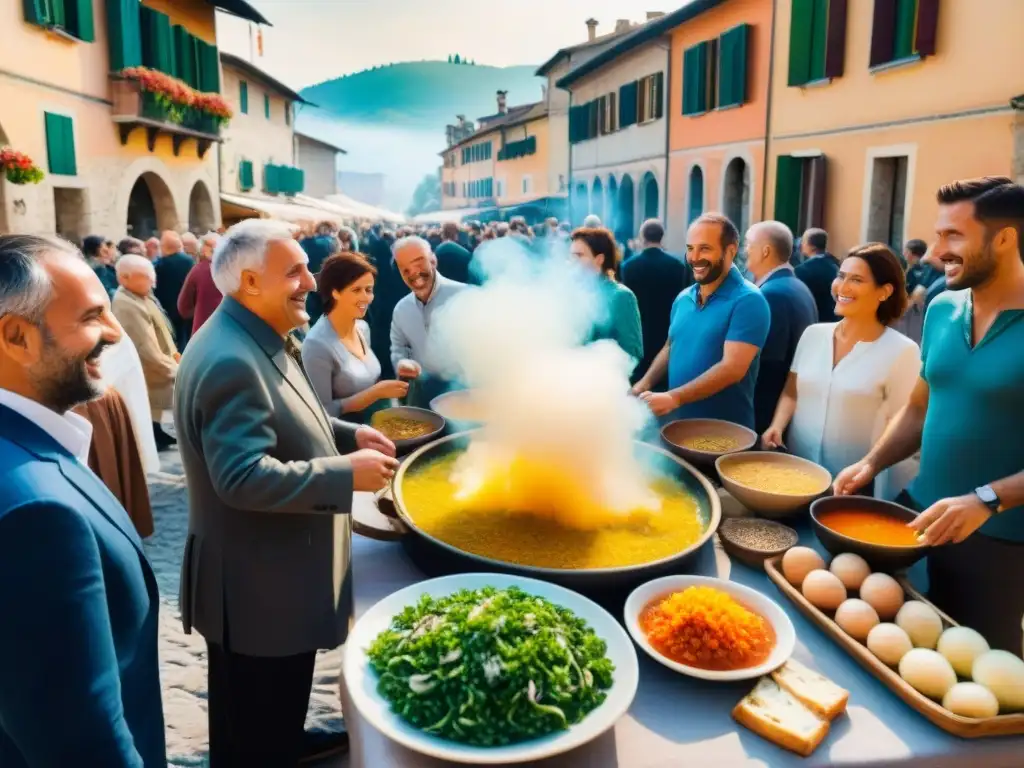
{"x":267,"y":559}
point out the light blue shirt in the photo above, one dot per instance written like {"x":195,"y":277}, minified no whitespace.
{"x":410,"y":323}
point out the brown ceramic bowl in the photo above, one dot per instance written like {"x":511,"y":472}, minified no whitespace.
{"x":769,"y":503}
{"x":880,"y":557}
{"x":407,"y":445}
{"x":731,"y":529}
{"x":675,"y":434}
{"x":459,"y":408}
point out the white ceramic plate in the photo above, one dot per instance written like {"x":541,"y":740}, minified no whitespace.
{"x":785,"y":634}
{"x":362,"y":681}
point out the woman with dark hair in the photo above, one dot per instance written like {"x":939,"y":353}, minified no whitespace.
{"x":849,"y":378}
{"x":336,"y":353}
{"x":594,"y":248}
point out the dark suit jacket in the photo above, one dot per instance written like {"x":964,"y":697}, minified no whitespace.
{"x":793,"y":309}
{"x":171,"y":272}
{"x":79,"y":675}
{"x":818,"y":274}
{"x":656,"y":278}
{"x":453,"y":261}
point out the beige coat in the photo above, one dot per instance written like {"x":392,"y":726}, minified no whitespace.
{"x":150,"y":332}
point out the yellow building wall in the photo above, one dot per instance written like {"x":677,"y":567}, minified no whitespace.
{"x":535,"y":166}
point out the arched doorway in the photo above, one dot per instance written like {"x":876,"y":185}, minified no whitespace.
{"x":581,"y":204}
{"x":736,"y":194}
{"x":650,"y":188}
{"x":597,"y":199}
{"x":611,"y":204}
{"x":625,"y":227}
{"x":201,"y":216}
{"x":150,"y":207}
{"x":696,"y":199}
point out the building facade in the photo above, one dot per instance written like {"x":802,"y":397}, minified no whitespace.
{"x":618,"y":131}
{"x":875,"y":105}
{"x":116,"y":160}
{"x":319,"y":163}
{"x":721,"y":58}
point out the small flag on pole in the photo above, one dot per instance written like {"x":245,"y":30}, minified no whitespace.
{"x":259,"y":40}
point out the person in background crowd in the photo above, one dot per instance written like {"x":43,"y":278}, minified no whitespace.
{"x":818,"y":271}
{"x":452,"y":259}
{"x":389,"y":289}
{"x":190,"y":245}
{"x":716,"y":331}
{"x":475,"y":236}
{"x":79,"y":672}
{"x":769,"y":245}
{"x":430,"y":290}
{"x":199,"y":296}
{"x":131,"y":245}
{"x":171,"y":271}
{"x":966,"y":415}
{"x":152,"y":247}
{"x":595,"y":249}
{"x":101,"y":255}
{"x":930,"y":282}
{"x":918,"y":272}
{"x":147,"y":326}
{"x":501,"y":229}
{"x":849,"y":379}
{"x":337,"y":354}
{"x":320,"y":247}
{"x":349,"y":239}
{"x":267,"y":568}
{"x":591,"y":221}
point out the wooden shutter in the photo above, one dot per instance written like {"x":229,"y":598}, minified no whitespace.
{"x":60,"y":144}
{"x":125,"y":32}
{"x":882,"y":32}
{"x":927,"y":27}
{"x":208,"y":67}
{"x":835,"y":46}
{"x":816,"y":191}
{"x":788,"y":179}
{"x":692,"y":79}
{"x":300,"y":180}
{"x":801,"y":41}
{"x":271,"y":179}
{"x":38,"y":12}
{"x":79,"y":20}
{"x":732,"y":57}
{"x":659,"y":95}
{"x":266,"y":105}
{"x":185,"y":59}
{"x":58,"y":14}
{"x":593,"y":120}
{"x":904,"y":30}
{"x":602,"y":109}
{"x":819,"y":40}
{"x":628,"y":104}
{"x":243,"y":104}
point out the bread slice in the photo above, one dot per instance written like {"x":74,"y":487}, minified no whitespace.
{"x":776,"y":715}
{"x":814,"y":691}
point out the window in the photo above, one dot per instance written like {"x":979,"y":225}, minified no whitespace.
{"x":243,"y":97}
{"x":500,"y":188}
{"x":715,"y":72}
{"x":71,"y":16}
{"x":516,"y":149}
{"x":245,"y":176}
{"x":887,"y":206}
{"x":527,"y":184}
{"x":283,"y":179}
{"x":609,"y":111}
{"x":800,"y":192}
{"x":266,"y":105}
{"x":650,"y":92}
{"x":817,"y":40}
{"x":628,"y":104}
{"x":71,"y":213}
{"x":287,"y":113}
{"x":732,"y":66}
{"x":903,"y":30}
{"x":60,"y":144}
{"x":125,"y":32}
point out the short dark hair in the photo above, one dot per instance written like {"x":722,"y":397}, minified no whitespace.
{"x":652,"y":231}
{"x":340,"y":271}
{"x":998,"y":201}
{"x":128,"y":243}
{"x":730,"y":235}
{"x":91,"y":245}
{"x":601,"y":242}
{"x":917,"y":247}
{"x":450,"y":230}
{"x":886,"y":269}
{"x":816,"y":238}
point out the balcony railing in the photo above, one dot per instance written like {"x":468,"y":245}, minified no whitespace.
{"x":134,"y":108}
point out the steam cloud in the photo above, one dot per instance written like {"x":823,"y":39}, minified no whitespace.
{"x":560,"y":420}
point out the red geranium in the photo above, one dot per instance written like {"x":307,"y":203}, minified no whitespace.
{"x":175,"y":95}
{"x":19,"y":167}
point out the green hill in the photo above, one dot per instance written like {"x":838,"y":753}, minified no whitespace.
{"x":424,"y":93}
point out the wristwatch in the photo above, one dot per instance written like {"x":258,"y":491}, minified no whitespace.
{"x":989,"y":498}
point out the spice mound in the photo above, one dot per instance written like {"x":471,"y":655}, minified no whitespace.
{"x":706,"y":628}
{"x":758,"y":535}
{"x":395,"y":427}
{"x":711,"y":443}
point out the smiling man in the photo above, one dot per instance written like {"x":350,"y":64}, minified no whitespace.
{"x":716,"y":331}
{"x":267,"y":577}
{"x":79,"y":674}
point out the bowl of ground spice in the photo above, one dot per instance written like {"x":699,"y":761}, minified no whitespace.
{"x":752,"y":540}
{"x":701,"y":441}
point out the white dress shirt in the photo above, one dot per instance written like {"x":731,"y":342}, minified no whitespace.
{"x":70,"y":430}
{"x":842,"y":411}
{"x":122,"y":369}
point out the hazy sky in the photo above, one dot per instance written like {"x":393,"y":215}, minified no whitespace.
{"x":315,"y":40}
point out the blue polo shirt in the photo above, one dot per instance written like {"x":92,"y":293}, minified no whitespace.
{"x":735,"y":312}
{"x":974,"y":429}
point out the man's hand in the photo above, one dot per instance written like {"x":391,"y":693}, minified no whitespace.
{"x":951,"y":520}
{"x":660,"y":403}
{"x":853,"y":478}
{"x":772,"y":438}
{"x":640,"y":387}
{"x":370,"y":439}
{"x":408,"y":369}
{"x":371,"y":470}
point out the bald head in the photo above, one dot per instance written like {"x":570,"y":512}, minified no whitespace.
{"x":769,"y":245}
{"x":170,"y":242}
{"x":152,"y":249}
{"x":190,"y":244}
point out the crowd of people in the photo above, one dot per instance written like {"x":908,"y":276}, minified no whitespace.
{"x":272,"y":348}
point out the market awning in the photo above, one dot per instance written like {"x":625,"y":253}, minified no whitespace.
{"x":241,"y":206}
{"x":544,"y":206}
{"x":365,"y":211}
{"x":458,"y":215}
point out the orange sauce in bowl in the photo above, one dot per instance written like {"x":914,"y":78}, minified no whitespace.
{"x":870,"y":527}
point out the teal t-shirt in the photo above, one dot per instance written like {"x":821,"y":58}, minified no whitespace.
{"x":620,"y":319}
{"x":974,"y":430}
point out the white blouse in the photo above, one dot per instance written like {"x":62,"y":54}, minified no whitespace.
{"x":842,"y":411}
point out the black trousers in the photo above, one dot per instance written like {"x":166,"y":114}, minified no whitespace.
{"x":257,"y":708}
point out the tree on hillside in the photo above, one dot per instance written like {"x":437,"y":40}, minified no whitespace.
{"x":449,"y":58}
{"x":427,"y":196}
{"x":457,"y":59}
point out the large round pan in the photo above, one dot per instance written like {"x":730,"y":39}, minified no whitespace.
{"x":437,"y":557}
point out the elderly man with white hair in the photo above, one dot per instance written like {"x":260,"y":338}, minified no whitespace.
{"x":792,"y":305}
{"x":145,"y":323}
{"x":410,"y":321}
{"x":267,"y":576}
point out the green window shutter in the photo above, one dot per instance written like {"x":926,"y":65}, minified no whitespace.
{"x":819,"y":39}
{"x":266,"y":105}
{"x":157,"y":40}
{"x":207,"y":67}
{"x":245,"y":181}
{"x":628,"y":104}
{"x":695,"y":80}
{"x":185,"y":56}
{"x":60,"y":144}
{"x":801,"y":41}
{"x":732,"y":55}
{"x":79,"y":19}
{"x":300,"y":180}
{"x":38,"y":12}
{"x":125,"y":33}
{"x":659,"y":95}
{"x":905,"y":32}
{"x":271,"y":179}
{"x":788,"y":181}
{"x":243,"y":97}
{"x":58,"y":14}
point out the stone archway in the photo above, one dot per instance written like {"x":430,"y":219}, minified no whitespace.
{"x":695,"y":202}
{"x":649,"y":185}
{"x":151,"y":207}
{"x":625,"y":226}
{"x":611,"y":204}
{"x":202,"y":217}
{"x":597,"y":200}
{"x":736,"y":193}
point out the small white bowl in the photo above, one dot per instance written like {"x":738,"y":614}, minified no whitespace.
{"x":785,"y":634}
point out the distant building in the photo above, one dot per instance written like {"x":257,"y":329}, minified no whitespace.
{"x":365,"y":187}
{"x":319,"y":161}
